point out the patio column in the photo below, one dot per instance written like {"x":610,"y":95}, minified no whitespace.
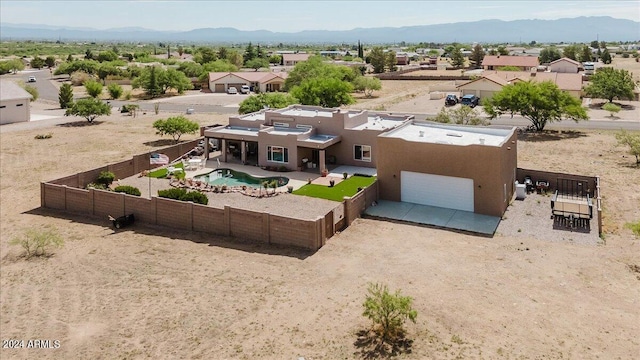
{"x":323,"y":166}
{"x":206,"y":148}
{"x":243,"y":151}
{"x":223,"y":147}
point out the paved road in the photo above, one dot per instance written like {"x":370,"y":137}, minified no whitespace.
{"x":46,"y":89}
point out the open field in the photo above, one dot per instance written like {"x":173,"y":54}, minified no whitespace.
{"x":151,"y":292}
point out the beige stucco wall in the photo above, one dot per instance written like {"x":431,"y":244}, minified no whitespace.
{"x":491,"y":168}
{"x":564,"y":67}
{"x":12,"y":111}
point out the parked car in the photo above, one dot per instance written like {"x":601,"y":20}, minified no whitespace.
{"x":32,"y":79}
{"x":470,"y":100}
{"x":232,"y":90}
{"x":451,"y":100}
{"x":245,"y":89}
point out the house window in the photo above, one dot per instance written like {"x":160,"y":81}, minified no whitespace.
{"x":277,"y":154}
{"x":280,"y":124}
{"x":362,"y":152}
{"x":3,"y":106}
{"x":303,"y":126}
{"x":19,"y":104}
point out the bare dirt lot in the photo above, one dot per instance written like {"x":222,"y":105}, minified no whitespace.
{"x":152,"y":292}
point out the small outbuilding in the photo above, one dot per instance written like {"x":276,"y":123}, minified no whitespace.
{"x":14,"y":103}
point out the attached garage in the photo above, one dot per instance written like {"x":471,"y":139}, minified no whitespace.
{"x":219,"y":88}
{"x":437,"y":190}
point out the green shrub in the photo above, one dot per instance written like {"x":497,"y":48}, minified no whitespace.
{"x":37,"y":242}
{"x":106,"y":178}
{"x":115,"y":91}
{"x":96,"y":186}
{"x":127,"y":189}
{"x":94,"y":88}
{"x":635,"y":228}
{"x":388,"y":312}
{"x":43,"y":136}
{"x":182,"y":195}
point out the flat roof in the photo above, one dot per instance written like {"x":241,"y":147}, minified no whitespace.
{"x":237,"y":130}
{"x":450,"y":134}
{"x":381,"y":122}
{"x":256,"y":116}
{"x":298,"y":111}
{"x":277,"y":130}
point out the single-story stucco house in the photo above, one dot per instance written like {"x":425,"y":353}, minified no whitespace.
{"x":565,"y":65}
{"x":14,"y":103}
{"x":525,"y":63}
{"x":492,"y":81}
{"x":220,"y":82}
{"x":293,"y":59}
{"x":459,"y":167}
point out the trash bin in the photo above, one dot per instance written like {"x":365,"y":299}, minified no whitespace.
{"x":521,"y":191}
{"x":190,"y":111}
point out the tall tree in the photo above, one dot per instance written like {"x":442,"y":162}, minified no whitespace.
{"x":37,"y":62}
{"x":367,"y":84}
{"x":539,"y":103}
{"x":324,"y":91}
{"x":549,"y":54}
{"x":271,"y":100}
{"x":175,"y":126}
{"x":249,"y":53}
{"x":235,"y":58}
{"x":377,"y":60}
{"x":457,"y":59}
{"x":222,"y":52}
{"x":502,"y":50}
{"x":477,"y":55}
{"x":65,"y":96}
{"x":50,"y":61}
{"x":257,"y":64}
{"x":571,"y":52}
{"x":204,"y":55}
{"x":360,"y":50}
{"x":606,"y":57}
{"x":390,"y":61}
{"x":149,"y":81}
{"x":609,"y":83}
{"x":586,"y":54}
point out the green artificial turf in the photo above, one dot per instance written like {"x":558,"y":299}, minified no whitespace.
{"x":162,"y":172}
{"x":348,"y":187}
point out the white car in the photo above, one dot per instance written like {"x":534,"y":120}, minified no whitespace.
{"x":32,"y":79}
{"x":232,"y":90}
{"x":245,"y":89}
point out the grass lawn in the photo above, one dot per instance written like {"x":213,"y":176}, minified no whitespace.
{"x":162,"y":172}
{"x":348,"y":187}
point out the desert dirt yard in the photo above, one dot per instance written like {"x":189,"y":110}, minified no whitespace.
{"x":157,"y":293}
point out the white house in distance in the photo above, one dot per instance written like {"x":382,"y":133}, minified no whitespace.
{"x":220,"y":82}
{"x":293,"y":59}
{"x":14,"y":103}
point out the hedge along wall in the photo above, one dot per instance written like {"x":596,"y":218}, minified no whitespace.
{"x":357,"y":204}
{"x":239,"y":223}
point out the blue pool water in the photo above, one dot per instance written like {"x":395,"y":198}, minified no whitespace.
{"x":230,"y":177}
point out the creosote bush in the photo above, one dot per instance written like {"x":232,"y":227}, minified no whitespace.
{"x":388,"y":312}
{"x":38,"y":242}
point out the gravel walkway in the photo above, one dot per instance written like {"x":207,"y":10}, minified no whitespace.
{"x":531,"y":218}
{"x":283,"y":204}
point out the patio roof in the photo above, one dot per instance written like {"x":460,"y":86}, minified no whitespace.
{"x":319,"y":141}
{"x":233,"y":133}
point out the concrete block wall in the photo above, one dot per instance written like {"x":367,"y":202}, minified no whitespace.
{"x":356,"y":205}
{"x":79,"y":200}
{"x":247,"y":225}
{"x":174,"y":213}
{"x":107,"y":203}
{"x":552,"y":177}
{"x":144,"y":209}
{"x":209,"y":220}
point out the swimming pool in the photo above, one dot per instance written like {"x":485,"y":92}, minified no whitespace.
{"x":230,"y":177}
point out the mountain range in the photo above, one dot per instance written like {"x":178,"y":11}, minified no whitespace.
{"x":580,"y":29}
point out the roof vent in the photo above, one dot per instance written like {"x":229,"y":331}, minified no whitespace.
{"x":482,"y":141}
{"x":454,"y":134}
{"x":421,"y":133}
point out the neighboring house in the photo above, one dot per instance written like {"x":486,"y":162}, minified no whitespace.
{"x":457,"y":167}
{"x":493,"y":81}
{"x":14,"y":103}
{"x":525,"y":63}
{"x":565,"y":65}
{"x":483,"y":87}
{"x":220,"y":82}
{"x":402,"y":58}
{"x":293,"y":59}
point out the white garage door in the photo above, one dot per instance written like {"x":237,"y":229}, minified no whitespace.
{"x":436,"y":190}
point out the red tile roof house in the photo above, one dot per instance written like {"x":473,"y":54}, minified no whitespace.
{"x":293,"y":59}
{"x":220,"y":82}
{"x":471,"y":168}
{"x":525,"y":63}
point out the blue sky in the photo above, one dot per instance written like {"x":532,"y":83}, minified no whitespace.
{"x":292,"y":16}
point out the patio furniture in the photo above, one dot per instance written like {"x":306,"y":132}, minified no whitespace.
{"x":194,"y":163}
{"x":542,"y":186}
{"x":529,"y":184}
